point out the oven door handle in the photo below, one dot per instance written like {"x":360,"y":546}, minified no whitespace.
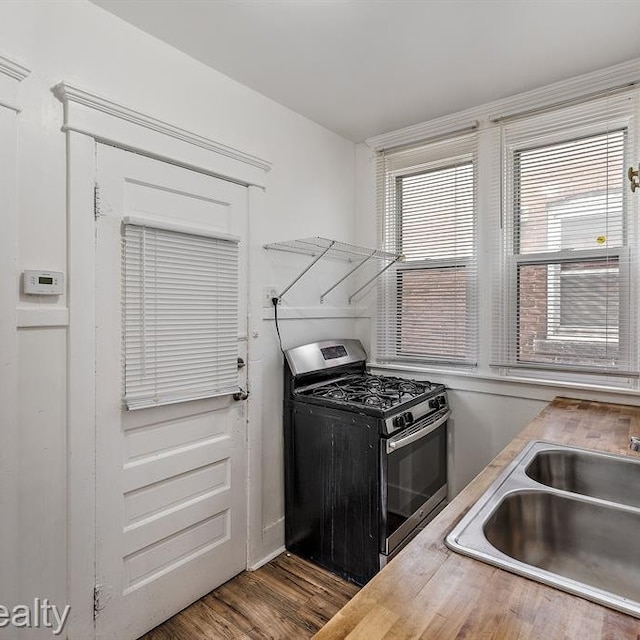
{"x":395,"y":445}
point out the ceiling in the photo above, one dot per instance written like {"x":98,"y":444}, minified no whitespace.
{"x":366,"y":67}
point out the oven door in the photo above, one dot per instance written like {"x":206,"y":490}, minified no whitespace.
{"x":413,"y":478}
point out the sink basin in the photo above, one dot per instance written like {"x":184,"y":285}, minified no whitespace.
{"x":599,"y":475}
{"x":570,"y":538}
{"x":563,"y":516}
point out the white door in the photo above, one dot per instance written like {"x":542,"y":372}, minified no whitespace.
{"x":170,"y":481}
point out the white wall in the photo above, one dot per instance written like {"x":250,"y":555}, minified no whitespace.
{"x":310,"y":191}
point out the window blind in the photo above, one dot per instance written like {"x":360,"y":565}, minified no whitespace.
{"x":565,"y":290}
{"x":427,"y":304}
{"x":180,"y":316}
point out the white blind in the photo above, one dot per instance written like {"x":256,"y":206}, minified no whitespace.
{"x":566,"y":289}
{"x":180,"y":320}
{"x":427,"y":304}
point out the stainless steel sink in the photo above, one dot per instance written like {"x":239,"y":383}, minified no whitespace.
{"x":589,"y":473}
{"x":563,"y":516}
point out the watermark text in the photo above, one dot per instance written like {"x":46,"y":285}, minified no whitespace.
{"x":39,"y":615}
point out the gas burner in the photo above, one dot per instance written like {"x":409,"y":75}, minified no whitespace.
{"x":374,"y":384}
{"x":333,"y":391}
{"x":372,"y":400}
{"x":409,"y":388}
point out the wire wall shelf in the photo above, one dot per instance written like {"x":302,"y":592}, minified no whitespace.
{"x":325,"y":248}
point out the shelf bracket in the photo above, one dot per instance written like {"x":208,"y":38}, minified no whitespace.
{"x":360,"y":264}
{"x":318,"y":258}
{"x":319,"y":247}
{"x":368,"y":282}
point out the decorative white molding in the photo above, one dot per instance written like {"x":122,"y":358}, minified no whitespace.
{"x":13,"y":69}
{"x":106,"y":131}
{"x":10,"y":106}
{"x":627,"y":73}
{"x":11,"y":74}
{"x":81,"y":406}
{"x":39,"y":317}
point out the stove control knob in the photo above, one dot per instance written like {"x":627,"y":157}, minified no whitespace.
{"x":434,"y":403}
{"x":398,"y":422}
{"x":408,"y":418}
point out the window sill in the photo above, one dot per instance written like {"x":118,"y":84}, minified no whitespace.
{"x":517,"y":383}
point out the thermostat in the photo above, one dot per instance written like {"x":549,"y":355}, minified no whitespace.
{"x":43,"y":283}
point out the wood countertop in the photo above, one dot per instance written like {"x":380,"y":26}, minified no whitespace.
{"x":429,"y":591}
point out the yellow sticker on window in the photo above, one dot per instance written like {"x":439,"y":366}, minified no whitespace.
{"x":601,"y":239}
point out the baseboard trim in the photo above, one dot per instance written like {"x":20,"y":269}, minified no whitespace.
{"x":268,"y":558}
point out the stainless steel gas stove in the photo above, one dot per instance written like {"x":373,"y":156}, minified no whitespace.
{"x":365,"y":463}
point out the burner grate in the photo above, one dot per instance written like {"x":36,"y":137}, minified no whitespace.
{"x":372,"y":391}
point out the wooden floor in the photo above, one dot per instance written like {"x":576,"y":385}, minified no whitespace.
{"x":286,"y":598}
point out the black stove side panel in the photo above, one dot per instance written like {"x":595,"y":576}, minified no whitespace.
{"x":332,"y":489}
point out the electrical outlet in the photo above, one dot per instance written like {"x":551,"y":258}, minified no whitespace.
{"x":268,"y":294}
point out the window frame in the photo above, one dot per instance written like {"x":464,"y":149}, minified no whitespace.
{"x":390,"y":287}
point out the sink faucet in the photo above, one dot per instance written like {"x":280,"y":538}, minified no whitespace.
{"x":634,"y":443}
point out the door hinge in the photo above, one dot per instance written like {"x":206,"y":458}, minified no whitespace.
{"x":97,"y":202}
{"x":97,"y":606}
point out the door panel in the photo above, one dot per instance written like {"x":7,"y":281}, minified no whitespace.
{"x":170,"y":481}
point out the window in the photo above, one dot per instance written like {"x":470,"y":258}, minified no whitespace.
{"x":565,"y":284}
{"x":427,"y":304}
{"x":180,"y":316}
{"x":520,"y":239}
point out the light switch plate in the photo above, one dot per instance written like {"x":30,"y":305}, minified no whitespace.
{"x":268,"y":293}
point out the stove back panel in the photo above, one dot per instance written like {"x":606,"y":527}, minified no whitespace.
{"x":328,"y":354}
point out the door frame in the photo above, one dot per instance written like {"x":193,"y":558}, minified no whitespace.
{"x":11,"y":75}
{"x":89,"y":119}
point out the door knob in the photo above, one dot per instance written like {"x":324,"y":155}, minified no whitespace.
{"x":240,"y":395}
